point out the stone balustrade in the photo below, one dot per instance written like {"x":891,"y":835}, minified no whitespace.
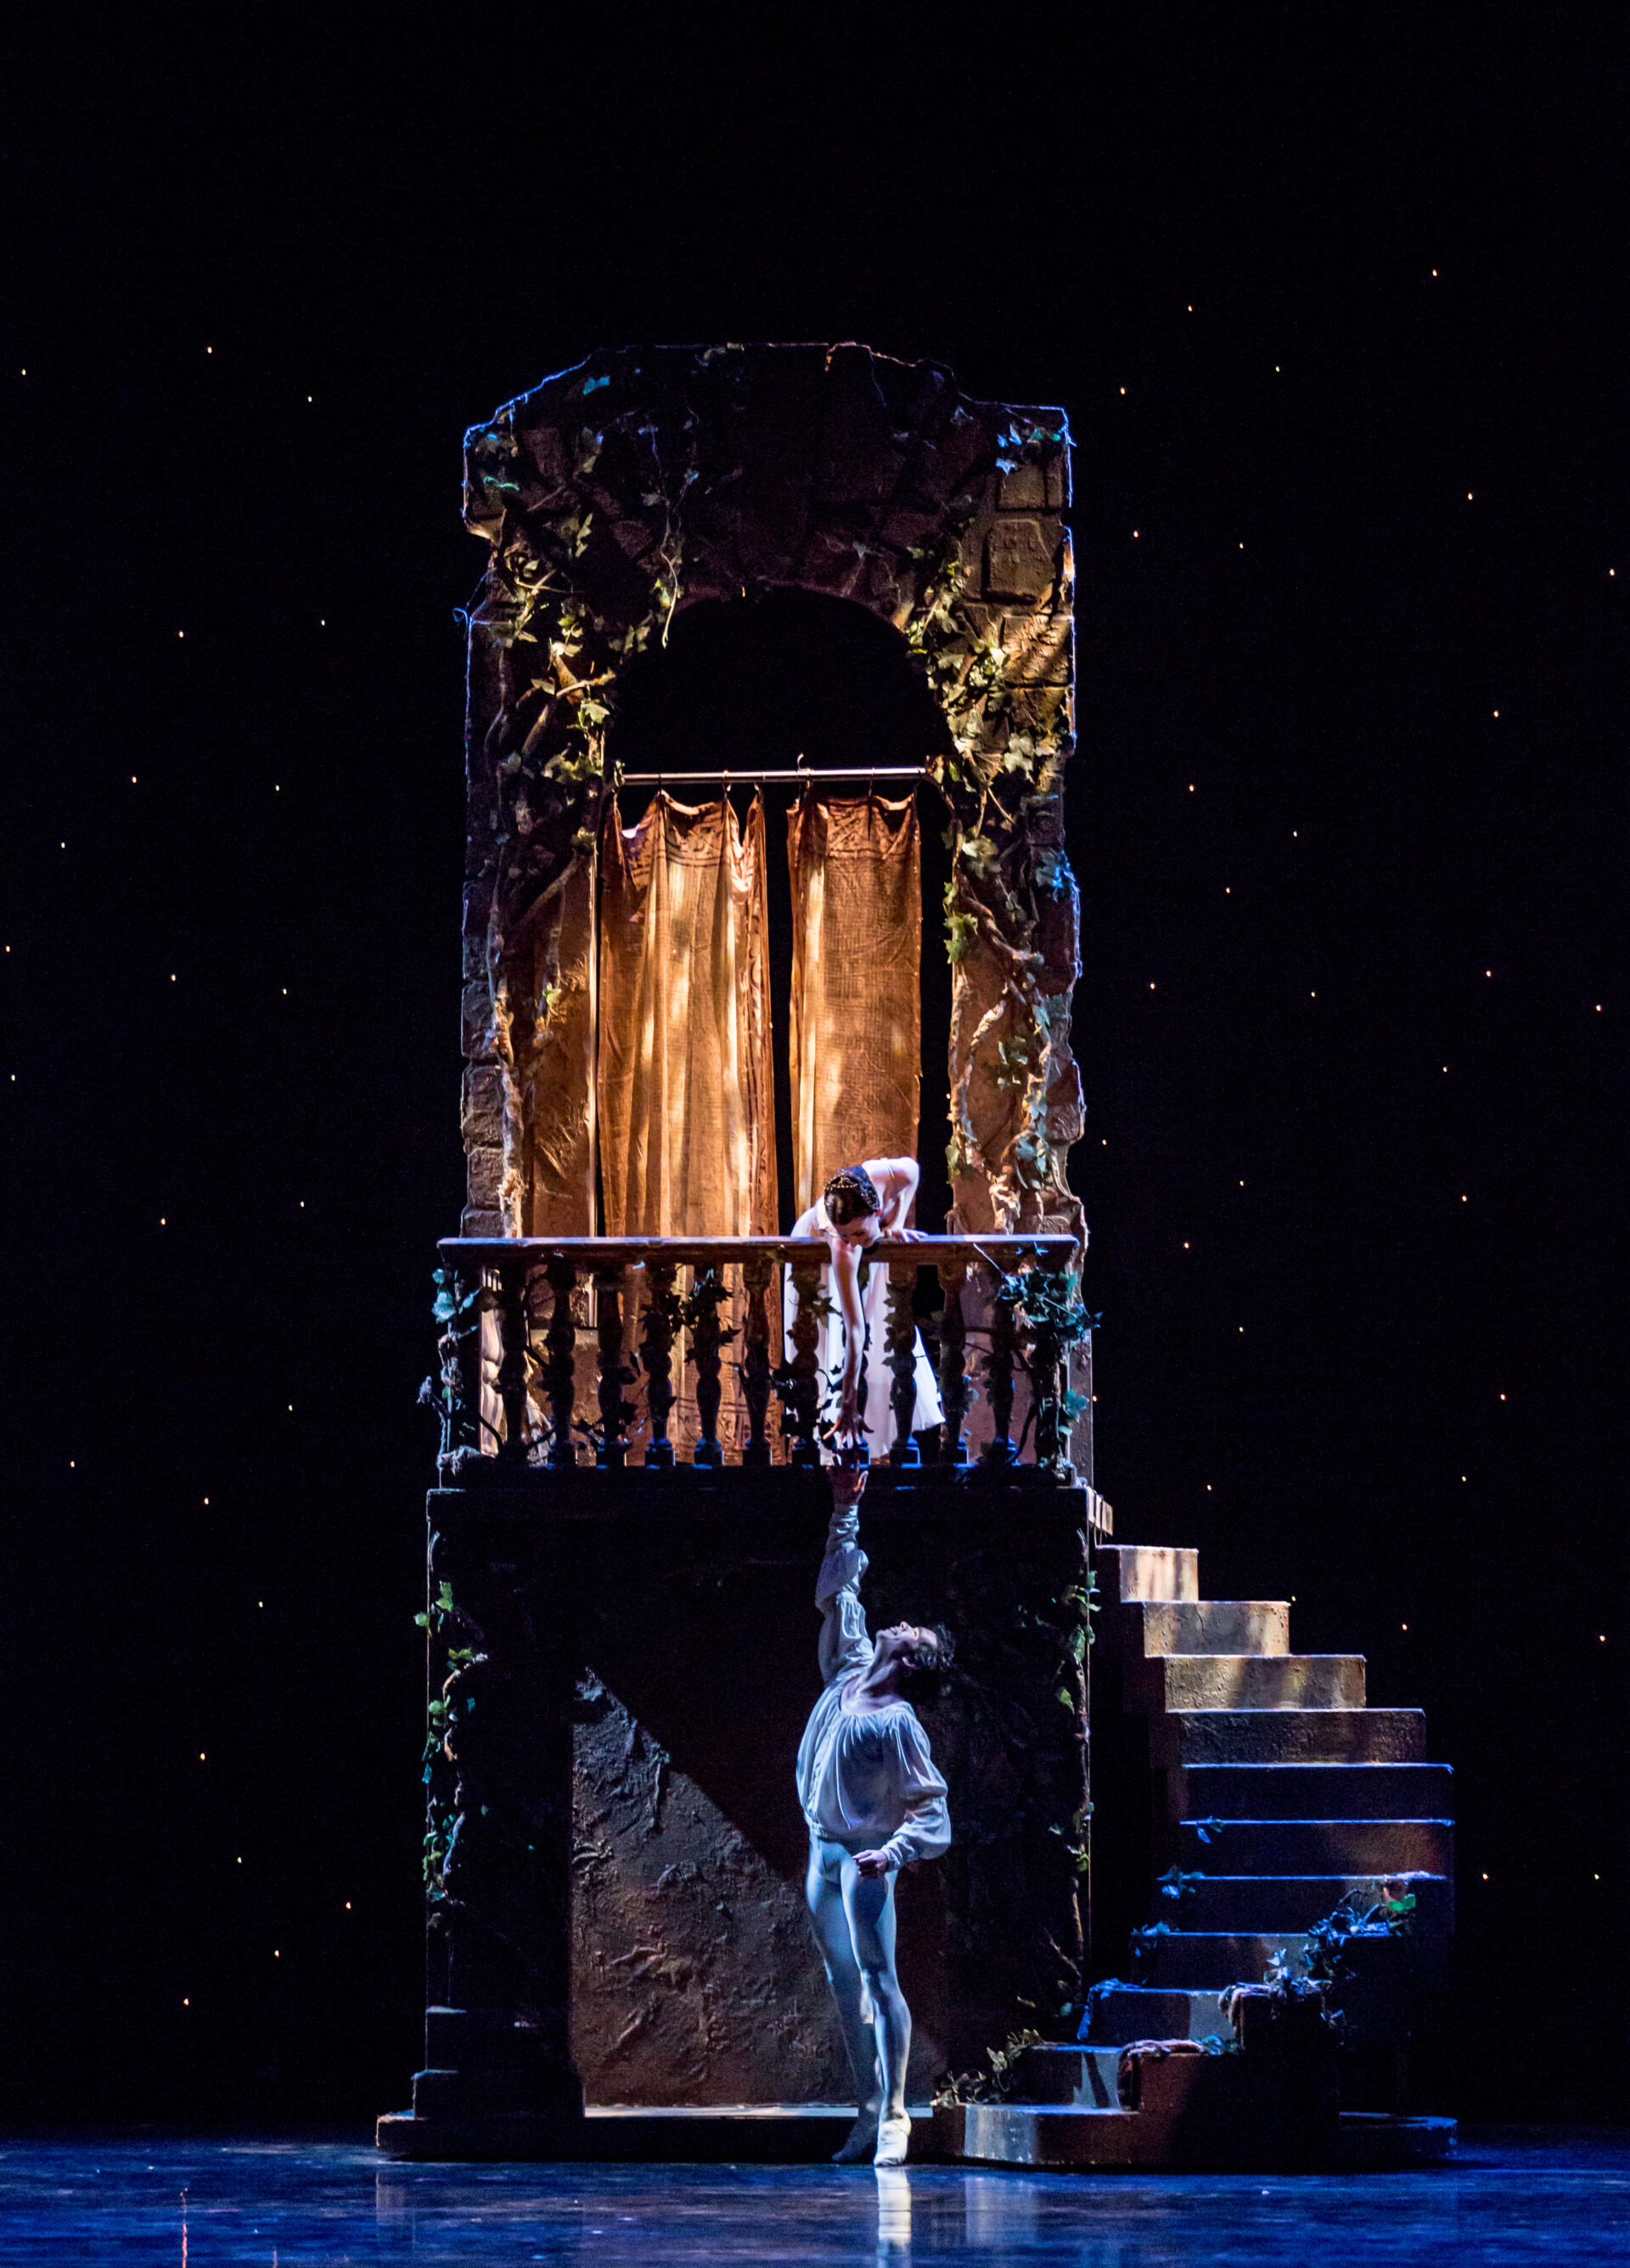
{"x":513,"y":1311}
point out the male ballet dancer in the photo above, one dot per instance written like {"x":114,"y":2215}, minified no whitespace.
{"x":875,"y":1803}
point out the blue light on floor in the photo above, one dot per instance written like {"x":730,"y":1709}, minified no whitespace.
{"x":1514,"y":2197}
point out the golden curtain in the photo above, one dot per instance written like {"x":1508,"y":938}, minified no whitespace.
{"x":856,"y":967}
{"x":686,"y":1080}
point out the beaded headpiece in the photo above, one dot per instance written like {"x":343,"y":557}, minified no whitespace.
{"x":854,"y":1182}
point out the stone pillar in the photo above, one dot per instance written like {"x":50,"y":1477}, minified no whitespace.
{"x":498,"y":2073}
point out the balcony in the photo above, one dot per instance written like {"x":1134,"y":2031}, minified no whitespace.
{"x":543,"y":1338}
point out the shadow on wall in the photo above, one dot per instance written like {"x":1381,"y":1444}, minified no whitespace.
{"x":695,"y":1974}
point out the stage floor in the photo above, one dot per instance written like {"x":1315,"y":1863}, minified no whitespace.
{"x":1510,"y":2196}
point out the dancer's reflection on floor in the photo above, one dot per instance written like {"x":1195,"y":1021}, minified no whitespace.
{"x":894,"y":2212}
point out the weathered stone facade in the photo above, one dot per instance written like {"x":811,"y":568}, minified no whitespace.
{"x":621,"y":1661}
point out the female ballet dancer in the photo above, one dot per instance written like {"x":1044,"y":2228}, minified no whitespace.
{"x":858,"y":1206}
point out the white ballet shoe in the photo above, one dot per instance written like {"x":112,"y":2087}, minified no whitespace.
{"x":893,"y":2141}
{"x":860,"y":2143}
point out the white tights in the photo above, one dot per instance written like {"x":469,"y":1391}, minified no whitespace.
{"x":853,"y":1919}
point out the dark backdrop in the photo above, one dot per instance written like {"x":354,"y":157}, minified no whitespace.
{"x":1351,"y":1015}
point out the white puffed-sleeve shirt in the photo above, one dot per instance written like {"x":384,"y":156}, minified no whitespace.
{"x":866,"y":1778}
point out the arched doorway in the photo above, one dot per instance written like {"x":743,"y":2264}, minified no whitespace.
{"x":753,"y":687}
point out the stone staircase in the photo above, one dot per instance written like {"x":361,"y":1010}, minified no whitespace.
{"x":1275,"y":1797}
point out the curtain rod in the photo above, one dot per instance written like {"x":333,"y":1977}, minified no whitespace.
{"x":749,"y":778}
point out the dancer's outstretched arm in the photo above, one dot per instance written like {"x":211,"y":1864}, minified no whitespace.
{"x":845,"y":1641}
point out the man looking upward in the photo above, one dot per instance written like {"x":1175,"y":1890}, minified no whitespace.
{"x":874,"y":1803}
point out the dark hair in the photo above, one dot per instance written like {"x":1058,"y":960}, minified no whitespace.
{"x":851,"y":1194}
{"x":922,"y":1677}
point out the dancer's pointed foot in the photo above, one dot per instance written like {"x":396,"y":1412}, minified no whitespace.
{"x":860,"y":2143}
{"x":893,"y":2141}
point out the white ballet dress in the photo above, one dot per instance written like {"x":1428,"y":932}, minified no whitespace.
{"x":876,"y":1410}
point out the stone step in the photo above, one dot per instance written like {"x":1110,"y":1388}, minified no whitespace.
{"x":443,"y":2093}
{"x":1269,"y":1905}
{"x":1076,"y":2077}
{"x":1375,"y":2142}
{"x":1118,"y":2014}
{"x":1184,"y":2110}
{"x":1250,"y":1681}
{"x":1146,"y":1571}
{"x":1211,"y":1960}
{"x":1191,"y":2116}
{"x":1374,"y":1969}
{"x":1287,"y":1736}
{"x":1343,"y":1791}
{"x":1379,"y":1983}
{"x":1032,"y":2134}
{"x":730,"y":2133}
{"x":1313,"y":1846}
{"x":1168,"y":1626}
{"x":480,"y":2039}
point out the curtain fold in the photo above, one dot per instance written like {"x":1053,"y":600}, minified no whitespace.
{"x":856,"y":1039}
{"x":687,"y":1079}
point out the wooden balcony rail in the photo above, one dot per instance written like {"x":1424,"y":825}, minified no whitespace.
{"x":508,"y":1383}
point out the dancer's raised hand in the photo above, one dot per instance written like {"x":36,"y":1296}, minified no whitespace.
{"x":848,"y":1482}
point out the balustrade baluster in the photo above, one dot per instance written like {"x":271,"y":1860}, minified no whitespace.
{"x":756,"y":1274}
{"x":862,"y":1277}
{"x":1000,"y":1451}
{"x":803,"y":1398}
{"x":662,"y":1318}
{"x":456,"y":1395}
{"x":513,"y":1342}
{"x":708,"y":1289}
{"x":902,"y":1324}
{"x":1048,"y":1315}
{"x":514,"y":1316}
{"x":561,"y":1370}
{"x":953,"y":1372}
{"x":614,"y":1374}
